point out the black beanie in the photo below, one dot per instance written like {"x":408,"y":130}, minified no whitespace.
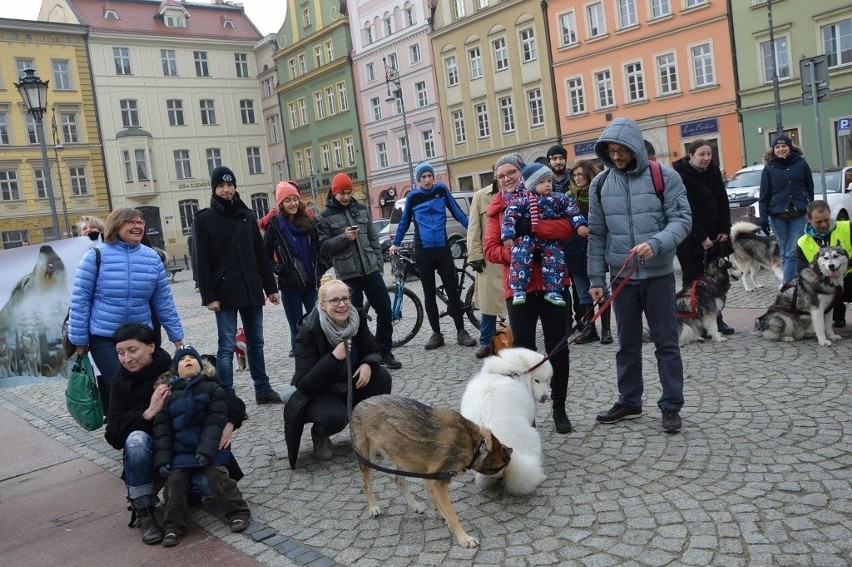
{"x":222,"y":174}
{"x":182,"y":351}
{"x":557,"y":150}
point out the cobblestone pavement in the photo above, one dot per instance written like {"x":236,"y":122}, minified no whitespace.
{"x":759,"y":476}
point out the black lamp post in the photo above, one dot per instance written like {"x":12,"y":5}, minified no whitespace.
{"x":34,"y":94}
{"x":392,"y":78}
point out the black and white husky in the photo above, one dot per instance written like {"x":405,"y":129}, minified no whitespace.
{"x":754,"y":251}
{"x":803,"y":308}
{"x":699,"y":303}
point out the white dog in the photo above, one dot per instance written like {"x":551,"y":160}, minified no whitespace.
{"x":502,"y":397}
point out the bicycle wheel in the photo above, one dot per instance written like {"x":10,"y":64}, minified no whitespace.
{"x":408,"y":324}
{"x":470,"y":309}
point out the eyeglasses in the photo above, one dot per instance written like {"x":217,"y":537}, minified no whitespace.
{"x":579,"y":174}
{"x":337,"y":301}
{"x":618,"y":151}
{"x":508,"y":175}
{"x":136,"y":222}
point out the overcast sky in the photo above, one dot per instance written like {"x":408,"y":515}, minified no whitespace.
{"x":267,"y":15}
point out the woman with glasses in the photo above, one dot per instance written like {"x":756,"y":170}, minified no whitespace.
{"x":320,"y":383}
{"x":121,"y":281}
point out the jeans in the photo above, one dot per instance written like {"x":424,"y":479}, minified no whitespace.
{"x":226,"y":325}
{"x":787,"y":233}
{"x":376,"y":290}
{"x":139,"y":465}
{"x":655,"y":297}
{"x":293,"y":300}
{"x":487,"y":329}
{"x":103,"y":353}
{"x":582,"y":283}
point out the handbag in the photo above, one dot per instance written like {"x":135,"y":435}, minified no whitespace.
{"x":503,"y":338}
{"x":82,"y":397}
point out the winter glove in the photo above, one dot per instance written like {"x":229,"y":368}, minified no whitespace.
{"x":477,"y":266}
{"x":764,"y":226}
{"x":165,"y":470}
{"x":523,"y":227}
{"x":202,"y":461}
{"x":94,"y":235}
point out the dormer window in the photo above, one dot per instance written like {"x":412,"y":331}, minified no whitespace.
{"x":175,"y":21}
{"x":110,"y":14}
{"x":228,"y":24}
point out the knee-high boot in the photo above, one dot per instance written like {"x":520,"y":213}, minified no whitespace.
{"x":606,"y":333}
{"x":559,"y":394}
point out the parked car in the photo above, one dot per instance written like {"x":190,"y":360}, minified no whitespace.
{"x":838,"y":191}
{"x":456,"y":233}
{"x":743,"y":189}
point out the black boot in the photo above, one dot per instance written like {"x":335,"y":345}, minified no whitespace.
{"x":722,"y":326}
{"x":559,"y":393}
{"x":590,"y":335}
{"x":606,"y":333}
{"x":838,"y":316}
{"x":146,"y":520}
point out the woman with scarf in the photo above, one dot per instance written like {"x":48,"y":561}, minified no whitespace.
{"x":319,"y":388}
{"x":292,"y":245}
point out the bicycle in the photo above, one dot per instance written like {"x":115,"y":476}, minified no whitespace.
{"x":407,"y":308}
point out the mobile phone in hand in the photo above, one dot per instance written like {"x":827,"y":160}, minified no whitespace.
{"x":354,"y":227}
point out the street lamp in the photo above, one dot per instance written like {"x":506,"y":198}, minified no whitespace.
{"x":34,"y":94}
{"x":392,"y":77}
{"x":57,"y":145}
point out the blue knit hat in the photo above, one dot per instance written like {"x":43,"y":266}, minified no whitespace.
{"x":534,"y":173}
{"x":782,"y":139}
{"x":422,"y":168}
{"x":182,"y":351}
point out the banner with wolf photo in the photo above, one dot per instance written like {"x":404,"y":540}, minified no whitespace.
{"x":35,"y":290}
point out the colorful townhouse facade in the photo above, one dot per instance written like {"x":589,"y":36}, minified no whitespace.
{"x":668,"y":64}
{"x":801,"y":30}
{"x":317,"y":99}
{"x":268,"y":79}
{"x":58,"y":53}
{"x":493,"y":69}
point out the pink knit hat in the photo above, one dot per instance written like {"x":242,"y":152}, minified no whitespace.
{"x":284,"y":190}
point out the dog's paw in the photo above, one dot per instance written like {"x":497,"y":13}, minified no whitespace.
{"x":825,"y":343}
{"x":720,"y":339}
{"x":418,"y":507}
{"x":835,"y":337}
{"x":375,"y":511}
{"x":468,"y":541}
{"x":788,"y":339}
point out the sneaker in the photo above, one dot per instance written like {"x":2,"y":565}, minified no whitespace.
{"x":435,"y":341}
{"x":839,"y":324}
{"x":270,"y":397}
{"x":464,"y":339}
{"x":519,"y":298}
{"x":322,"y":447}
{"x":554,"y":298}
{"x":617,"y":413}
{"x":171,"y":539}
{"x":671,"y":421}
{"x":239,"y":524}
{"x":483,"y":352}
{"x":391,"y":362}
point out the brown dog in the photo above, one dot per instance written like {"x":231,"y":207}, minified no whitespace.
{"x":424,"y":440}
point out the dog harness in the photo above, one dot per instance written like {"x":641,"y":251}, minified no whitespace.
{"x":838,"y":295}
{"x":436,"y":476}
{"x":693,"y":302}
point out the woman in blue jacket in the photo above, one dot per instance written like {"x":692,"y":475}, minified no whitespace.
{"x":122,"y":281}
{"x":786,"y":188}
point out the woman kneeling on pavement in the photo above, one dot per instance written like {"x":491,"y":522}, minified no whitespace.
{"x":134,"y":403}
{"x":319,"y":388}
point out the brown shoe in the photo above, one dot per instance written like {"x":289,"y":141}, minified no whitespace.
{"x":435,"y":341}
{"x":483,"y":352}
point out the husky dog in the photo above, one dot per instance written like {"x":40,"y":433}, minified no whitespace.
{"x":502,"y":397}
{"x":753,"y":251}
{"x":423,"y":440}
{"x":803,"y":309}
{"x":700,"y":303}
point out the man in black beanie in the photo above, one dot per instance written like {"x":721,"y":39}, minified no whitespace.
{"x":557,"y":158}
{"x":234,"y":275}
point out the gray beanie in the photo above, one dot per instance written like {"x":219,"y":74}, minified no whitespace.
{"x":534,"y":173}
{"x":511,"y":159}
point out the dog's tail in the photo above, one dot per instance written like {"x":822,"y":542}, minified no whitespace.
{"x":743,"y":228}
{"x":523,"y":474}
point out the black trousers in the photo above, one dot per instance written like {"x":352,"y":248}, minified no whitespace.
{"x":429,"y":261}
{"x":327,"y":411}
{"x":222,"y":488}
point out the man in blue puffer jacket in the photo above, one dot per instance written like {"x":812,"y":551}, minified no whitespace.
{"x":427,"y":206}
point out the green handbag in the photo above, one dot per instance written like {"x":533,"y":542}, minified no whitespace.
{"x":82,"y":396}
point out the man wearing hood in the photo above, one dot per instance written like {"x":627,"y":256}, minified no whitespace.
{"x":234,"y":276}
{"x":347,"y":234}
{"x":630,"y":222}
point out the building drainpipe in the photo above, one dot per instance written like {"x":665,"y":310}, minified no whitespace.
{"x":98,"y":121}
{"x":552,"y":74}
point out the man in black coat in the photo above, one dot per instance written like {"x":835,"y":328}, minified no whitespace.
{"x":234,"y":276}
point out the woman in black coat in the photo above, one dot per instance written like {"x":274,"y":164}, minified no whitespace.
{"x":320,"y":382}
{"x":711,"y":215}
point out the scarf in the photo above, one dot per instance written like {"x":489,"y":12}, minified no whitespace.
{"x":580,"y":196}
{"x":820,"y":237}
{"x":335,"y":334}
{"x":229,"y":207}
{"x":299,"y":240}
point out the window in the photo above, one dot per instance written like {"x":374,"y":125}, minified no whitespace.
{"x":403,"y":148}
{"x":79,"y":184}
{"x":280,"y":170}
{"x":837,"y":42}
{"x":293,"y":72}
{"x":187,"y":209}
{"x":303,"y":65}
{"x":175,"y":20}
{"x":260,"y":204}
{"x":452,"y":71}
{"x":528,"y":48}
{"x":300,"y":164}
{"x":397,"y":102}
{"x":40,"y":184}
{"x":694,"y":3}
{"x":627,"y":13}
{"x":482,"y":4}
{"x":422,"y":95}
{"x":382,"y":155}
{"x":475,"y":59}
{"x":408,"y":16}
{"x":9,"y":190}
{"x":208,"y":112}
{"x":331,"y":101}
{"x":660,"y":8}
{"x":341,"y":94}
{"x":603,"y":83}
{"x":174,"y":108}
{"x":306,"y":18}
{"x":350,"y":150}
{"x":368,"y":34}
{"x":129,"y":113}
{"x":128,"y":166}
{"x":376,"y":106}
{"x":428,"y":144}
{"x":370,"y":70}
{"x":338,"y":153}
{"x":482,"y":127}
{"x":201,"y":68}
{"x":214,"y":159}
{"x":32,"y":129}
{"x":667,"y":72}
{"x":388,"y":27}
{"x":595,"y":20}
{"x":635,"y":81}
{"x":294,"y":118}
{"x":458,"y":8}
{"x":309,"y":159}
{"x":501,"y":54}
{"x":15,"y":238}
{"x":702,"y":64}
{"x":576,"y":96}
{"x":414,"y":53}
{"x":121,"y":56}
{"x":241,"y":64}
{"x":169,"y":60}
{"x":68,"y":122}
{"x":318,"y":62}
{"x":325,"y":155}
{"x":268,"y":87}
{"x":568,"y":28}
{"x":141,"y":159}
{"x":247,"y":111}
{"x":507,"y":114}
{"x":392,"y":61}
{"x":61,"y":76}
{"x":329,"y":50}
{"x":182,"y":166}
{"x":4,"y":129}
{"x":303,"y":111}
{"x":458,"y":127}
{"x":536,"y":106}
{"x":253,"y":157}
{"x":782,"y":59}
{"x":319,"y":106}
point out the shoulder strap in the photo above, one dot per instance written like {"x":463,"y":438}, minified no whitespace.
{"x":656,"y":179}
